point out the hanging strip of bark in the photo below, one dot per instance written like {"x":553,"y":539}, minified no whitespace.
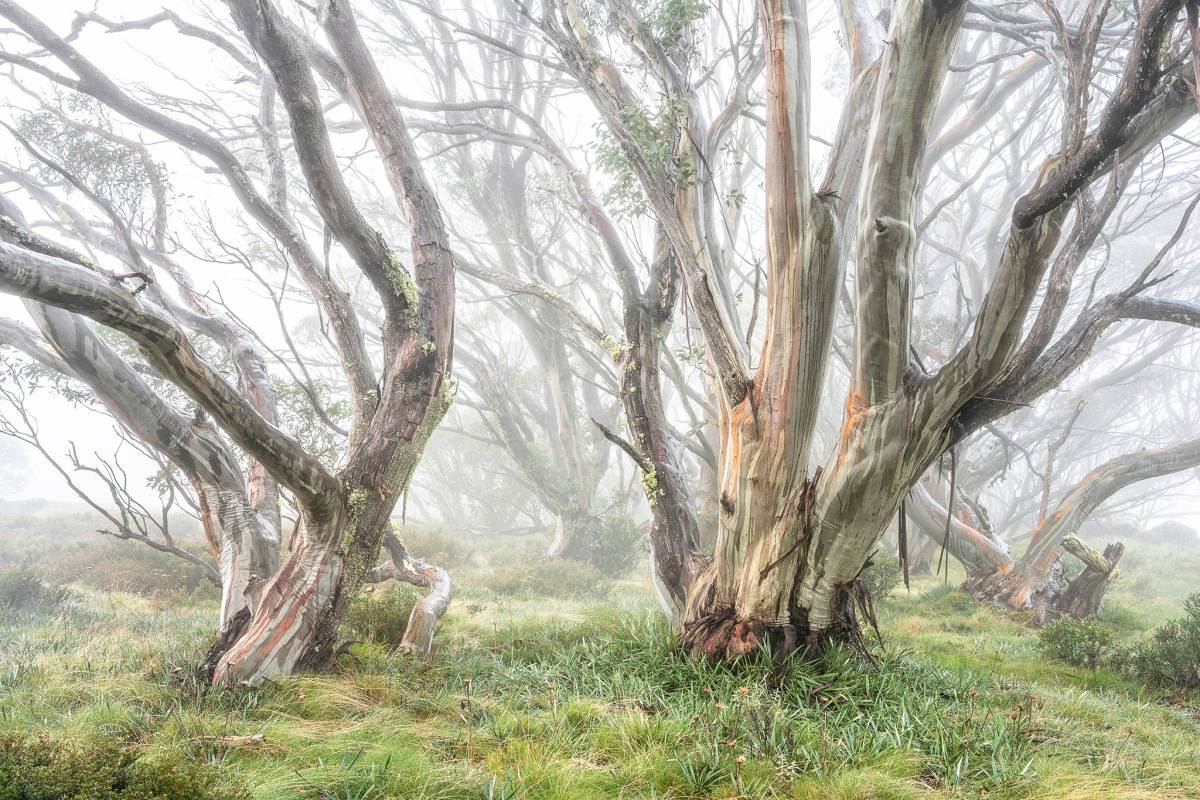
{"x":902,"y":542}
{"x":807,"y":499}
{"x":949,"y":517}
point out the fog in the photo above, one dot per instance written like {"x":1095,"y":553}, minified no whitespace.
{"x":599,"y":398}
{"x":640,"y":295}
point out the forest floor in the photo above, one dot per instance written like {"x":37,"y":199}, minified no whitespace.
{"x":538,"y":697}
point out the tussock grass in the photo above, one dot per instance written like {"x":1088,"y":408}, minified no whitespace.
{"x":552,"y":698}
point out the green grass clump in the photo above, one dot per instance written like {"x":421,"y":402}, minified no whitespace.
{"x":42,"y":769}
{"x":380,"y":614}
{"x":23,"y":589}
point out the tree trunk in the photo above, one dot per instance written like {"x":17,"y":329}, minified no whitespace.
{"x":789,"y":552}
{"x":299,"y":609}
{"x":1082,"y":597}
{"x":422,"y":622}
{"x":1034,"y":581}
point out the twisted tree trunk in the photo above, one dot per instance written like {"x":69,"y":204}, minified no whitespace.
{"x":422,"y":622}
{"x":290,"y":619}
{"x":1035,"y":580}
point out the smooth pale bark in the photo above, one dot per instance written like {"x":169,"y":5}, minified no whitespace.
{"x":978,"y":552}
{"x":422,"y":621}
{"x":790,"y":547}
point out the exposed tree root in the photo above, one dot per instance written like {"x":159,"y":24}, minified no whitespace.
{"x":229,"y":634}
{"x":721,"y":636}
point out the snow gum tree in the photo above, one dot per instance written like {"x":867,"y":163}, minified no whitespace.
{"x":279,"y":615}
{"x":797,"y":524}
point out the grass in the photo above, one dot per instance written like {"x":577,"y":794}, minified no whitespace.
{"x":530,"y":696}
{"x":552,"y":698}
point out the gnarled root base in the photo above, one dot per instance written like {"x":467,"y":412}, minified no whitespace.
{"x":1017,"y":589}
{"x":722,"y":636}
{"x":229,"y":634}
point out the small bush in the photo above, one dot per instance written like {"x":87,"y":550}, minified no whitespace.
{"x":22,"y":589}
{"x":381,"y":613}
{"x":881,"y":577}
{"x":42,"y":769}
{"x":613,"y":545}
{"x":1085,"y":642}
{"x":1170,"y":656}
{"x":559,"y":578}
{"x":116,"y":566}
{"x":436,"y":546}
{"x":1174,"y":533}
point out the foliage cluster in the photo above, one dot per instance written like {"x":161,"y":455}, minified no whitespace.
{"x":380,"y":613}
{"x":80,"y":134}
{"x":22,"y":588}
{"x":881,"y":576}
{"x":64,"y":548}
{"x":656,"y":133}
{"x":1085,"y":642}
{"x":1168,"y":657}
{"x":558,"y":578}
{"x":611,"y":544}
{"x":42,"y":769}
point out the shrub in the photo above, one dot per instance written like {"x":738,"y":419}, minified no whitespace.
{"x":381,"y":613}
{"x":881,"y":577}
{"x":47,"y":770}
{"x":1174,"y":533}
{"x":613,"y":546}
{"x":436,"y":546}
{"x":1170,"y":656}
{"x":117,"y":566}
{"x":1081,"y":642}
{"x":22,"y":588}
{"x":559,"y":578}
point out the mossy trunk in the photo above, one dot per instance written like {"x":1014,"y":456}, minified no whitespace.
{"x":298,"y":610}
